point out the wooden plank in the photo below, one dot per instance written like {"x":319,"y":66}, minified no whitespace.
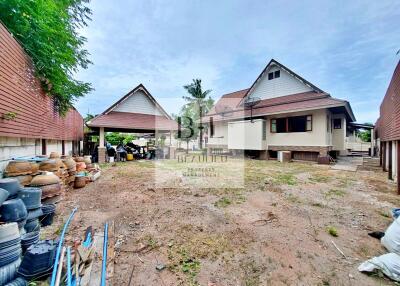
{"x":95,"y":274}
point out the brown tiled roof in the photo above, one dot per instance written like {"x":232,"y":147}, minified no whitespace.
{"x":133,"y":121}
{"x":288,"y":103}
{"x":388,"y":124}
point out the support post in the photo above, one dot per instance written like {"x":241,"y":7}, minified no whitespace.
{"x":102,"y":148}
{"x":398,"y":167}
{"x":390,"y":158}
{"x":383,"y":150}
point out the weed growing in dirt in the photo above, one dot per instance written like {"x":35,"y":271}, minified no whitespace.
{"x":293,"y":198}
{"x":319,"y":178}
{"x":223,"y":202}
{"x":334,"y":193}
{"x":385,"y":214}
{"x":332,"y":231}
{"x":286,"y":179}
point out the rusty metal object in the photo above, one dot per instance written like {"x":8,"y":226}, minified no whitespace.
{"x":17,"y":168}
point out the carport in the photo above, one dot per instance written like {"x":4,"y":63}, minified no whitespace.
{"x":136,"y":112}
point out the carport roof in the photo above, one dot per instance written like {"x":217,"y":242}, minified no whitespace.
{"x":139,"y":121}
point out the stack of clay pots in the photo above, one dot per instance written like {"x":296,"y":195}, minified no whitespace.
{"x":70,"y":165}
{"x":50,"y":185}
{"x":22,"y":171}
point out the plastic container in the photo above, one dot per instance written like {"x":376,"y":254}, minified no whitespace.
{"x":31,"y":197}
{"x":11,"y":185}
{"x":13,"y":211}
{"x":3,"y":196}
{"x":48,"y":214}
{"x":32,"y":225}
{"x":129,"y":157}
{"x":38,"y":259}
{"x":36,"y":213}
{"x":18,"y":282}
{"x":29,"y":239}
{"x":8,"y":272}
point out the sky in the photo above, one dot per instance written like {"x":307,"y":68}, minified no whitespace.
{"x":346,"y":48}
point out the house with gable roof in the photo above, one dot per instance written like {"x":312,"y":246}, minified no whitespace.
{"x":281,"y":111}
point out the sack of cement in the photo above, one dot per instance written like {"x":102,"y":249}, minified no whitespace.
{"x":388,"y":264}
{"x":391,"y":240}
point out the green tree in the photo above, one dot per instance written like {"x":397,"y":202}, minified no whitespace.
{"x":48,"y":32}
{"x":198,"y":104}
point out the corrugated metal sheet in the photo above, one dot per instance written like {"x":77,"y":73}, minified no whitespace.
{"x":388,"y":124}
{"x":21,"y":93}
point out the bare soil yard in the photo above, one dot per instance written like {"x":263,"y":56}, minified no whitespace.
{"x":276,"y":230}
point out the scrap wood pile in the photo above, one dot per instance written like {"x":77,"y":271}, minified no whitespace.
{"x":54,"y":174}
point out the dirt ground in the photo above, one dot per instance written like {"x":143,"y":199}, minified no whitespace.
{"x":276,"y":230}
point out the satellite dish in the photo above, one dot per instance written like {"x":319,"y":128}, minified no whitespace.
{"x":249,"y":103}
{"x":223,"y":109}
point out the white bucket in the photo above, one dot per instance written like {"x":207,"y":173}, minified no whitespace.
{"x":111,"y":159}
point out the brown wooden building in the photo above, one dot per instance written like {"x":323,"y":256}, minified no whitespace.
{"x":29,"y":121}
{"x":388,"y":129}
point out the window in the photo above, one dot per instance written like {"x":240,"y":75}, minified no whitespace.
{"x":291,"y":124}
{"x":337,"y":123}
{"x":274,"y":74}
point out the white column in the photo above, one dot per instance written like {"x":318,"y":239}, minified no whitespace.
{"x":101,"y":141}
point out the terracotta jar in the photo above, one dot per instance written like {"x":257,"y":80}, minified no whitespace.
{"x":80,"y":181}
{"x":43,"y":180}
{"x":17,"y":168}
{"x":49,"y":165}
{"x":80,"y":166}
{"x":54,"y":155}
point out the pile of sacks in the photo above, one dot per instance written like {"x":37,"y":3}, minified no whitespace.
{"x":389,"y":263}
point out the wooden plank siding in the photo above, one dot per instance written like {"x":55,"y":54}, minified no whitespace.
{"x":389,"y":120}
{"x":21,"y":93}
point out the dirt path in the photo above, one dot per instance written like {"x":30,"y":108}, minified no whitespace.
{"x":274,"y":231}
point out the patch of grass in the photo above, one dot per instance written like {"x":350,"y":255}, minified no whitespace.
{"x":252,"y":273}
{"x":223,"y":202}
{"x":293,"y":198}
{"x":319,"y":178}
{"x":286,"y":179}
{"x":332,"y":231}
{"x":364,"y":250}
{"x":334,"y":193}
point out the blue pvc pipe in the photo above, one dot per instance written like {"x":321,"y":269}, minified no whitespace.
{"x":104,"y":264}
{"x":69,"y":273}
{"x":60,"y":243}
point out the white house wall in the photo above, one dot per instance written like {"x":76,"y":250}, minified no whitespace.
{"x":286,"y":84}
{"x":220,"y":134}
{"x":246,"y":135}
{"x":339,"y":135}
{"x":139,"y":102}
{"x":316,"y":137}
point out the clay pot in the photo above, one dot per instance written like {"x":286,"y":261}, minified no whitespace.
{"x":34,"y":168}
{"x":79,"y":159}
{"x":43,"y":180}
{"x":87,"y":159}
{"x":17,"y":168}
{"x":70,"y":164}
{"x":80,"y":166}
{"x":24,"y":180}
{"x":60,"y":163}
{"x":54,"y":155}
{"x":89,"y":166}
{"x":52,"y":190}
{"x":49,"y":165}
{"x":80,"y":182}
